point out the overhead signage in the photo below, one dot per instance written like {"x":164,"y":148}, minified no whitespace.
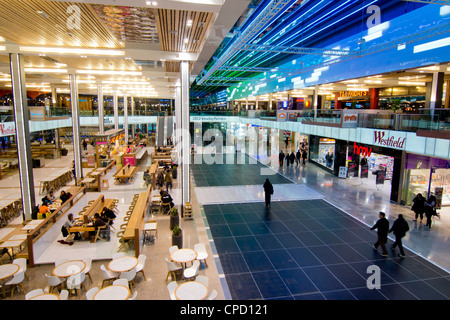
{"x":361,"y":151}
{"x":349,"y":119}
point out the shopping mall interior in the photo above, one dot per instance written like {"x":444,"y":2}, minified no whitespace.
{"x":343,"y":106}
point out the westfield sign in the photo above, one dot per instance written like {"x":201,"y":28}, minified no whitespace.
{"x":391,"y":141}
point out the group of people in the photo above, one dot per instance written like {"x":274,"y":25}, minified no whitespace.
{"x":299,"y":156}
{"x":165,"y":177}
{"x":400,"y":227}
{"x":423,"y":206}
{"x":105,"y":218}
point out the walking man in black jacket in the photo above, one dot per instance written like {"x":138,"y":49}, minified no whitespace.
{"x":382,"y":227}
{"x":268,"y":191}
{"x":400,"y":227}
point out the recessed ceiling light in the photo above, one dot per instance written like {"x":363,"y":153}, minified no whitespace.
{"x":42,"y":14}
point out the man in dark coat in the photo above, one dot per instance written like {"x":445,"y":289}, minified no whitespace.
{"x":400,"y":227}
{"x":382,"y":227}
{"x":281,"y":158}
{"x":268,"y":191}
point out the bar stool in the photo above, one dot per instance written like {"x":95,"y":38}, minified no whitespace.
{"x":105,"y":184}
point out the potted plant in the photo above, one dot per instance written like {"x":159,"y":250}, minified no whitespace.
{"x":174,"y":218}
{"x":177,"y":237}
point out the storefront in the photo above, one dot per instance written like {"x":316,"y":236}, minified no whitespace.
{"x":426,"y":175}
{"x":382,"y":169}
{"x":322,"y":152}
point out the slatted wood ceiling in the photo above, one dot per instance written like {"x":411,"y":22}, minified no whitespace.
{"x":20,"y":23}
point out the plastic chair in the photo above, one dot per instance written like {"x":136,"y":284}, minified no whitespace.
{"x":133,"y":297}
{"x":203,"y":280}
{"x":87,"y":270}
{"x":192,"y":272}
{"x":202,"y":254}
{"x":64,"y":295}
{"x":120,"y":282}
{"x":171,"y":287}
{"x":16,"y":281}
{"x":53,"y":282}
{"x":130,"y":276}
{"x":173,"y":269}
{"x":107,"y":275}
{"x":118,"y":255}
{"x":141,"y":264}
{"x":90,"y":294}
{"x":212,"y":295}
{"x":22,"y":262}
{"x":172,"y":249}
{"x":75,"y":282}
{"x":33,"y":293}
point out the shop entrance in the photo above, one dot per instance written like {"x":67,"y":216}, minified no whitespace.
{"x":375,"y":167}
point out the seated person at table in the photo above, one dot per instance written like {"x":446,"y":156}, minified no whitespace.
{"x":108,"y":214}
{"x":51,"y":196}
{"x":69,"y":224}
{"x":63,"y":196}
{"x":159,"y":149}
{"x":46,"y":200}
{"x":166,"y":198}
{"x":98,"y":222}
{"x":44,"y":211}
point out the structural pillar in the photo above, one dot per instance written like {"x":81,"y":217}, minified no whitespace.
{"x":116,"y":110}
{"x":374,"y":97}
{"x":125,"y":116}
{"x":447,"y":95}
{"x":337,"y":102}
{"x":74,"y":104}
{"x":186,"y":150}
{"x":436,"y":90}
{"x":101,"y":109}
{"x":133,"y":126}
{"x":315,"y":101}
{"x":22,"y":117}
{"x":270,"y":100}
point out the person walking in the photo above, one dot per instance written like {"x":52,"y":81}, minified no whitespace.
{"x":304,"y":156}
{"x":268,"y":191}
{"x":400,"y":228}
{"x":281,"y":158}
{"x":430,"y":209}
{"x":418,"y":207}
{"x":382,"y":226}
{"x":168,"y":180}
{"x":298,"y":156}
{"x":292,"y":158}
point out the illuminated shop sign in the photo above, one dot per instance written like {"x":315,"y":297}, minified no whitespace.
{"x":386,"y":140}
{"x":349,"y":94}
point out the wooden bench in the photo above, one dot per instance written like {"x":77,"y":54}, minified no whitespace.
{"x":98,"y":174}
{"x":152,"y":170}
{"x":126,"y":173}
{"x":96,"y":207}
{"x":135,"y":224}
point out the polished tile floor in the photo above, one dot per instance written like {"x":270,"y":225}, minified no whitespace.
{"x":314,"y":242}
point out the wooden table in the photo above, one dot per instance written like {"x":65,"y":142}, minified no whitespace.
{"x":123,"y":264}
{"x":184,"y":255}
{"x":114,"y":292}
{"x":69,"y":268}
{"x":82,"y":229}
{"x":12,"y":244}
{"x":191,"y":290}
{"x":45,"y":296}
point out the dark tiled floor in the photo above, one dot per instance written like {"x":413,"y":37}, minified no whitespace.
{"x":241,"y":170}
{"x":311,"y":250}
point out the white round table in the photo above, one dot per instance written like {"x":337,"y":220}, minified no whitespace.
{"x":69,"y":268}
{"x":191,"y":290}
{"x":8,"y":270}
{"x":123,"y":264}
{"x":183,"y":255}
{"x":45,"y":296}
{"x":114,"y":292}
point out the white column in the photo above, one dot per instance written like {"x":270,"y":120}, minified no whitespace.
{"x":186,"y":151}
{"x":315,"y":101}
{"x":116,"y":109}
{"x":21,"y":116}
{"x":125,"y":116}
{"x":133,"y":126}
{"x":101,"y":110}
{"x":75,"y":126}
